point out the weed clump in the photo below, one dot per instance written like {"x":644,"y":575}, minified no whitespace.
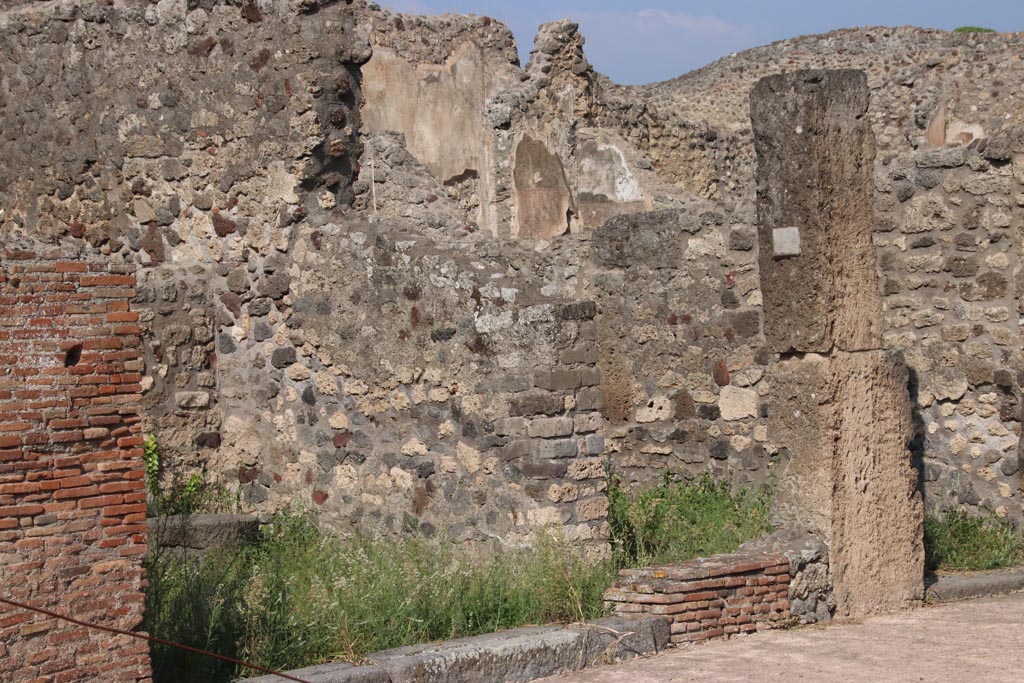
{"x":678,"y":521}
{"x":957,"y":541}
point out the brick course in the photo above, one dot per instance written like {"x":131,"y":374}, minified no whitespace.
{"x":712,"y":597}
{"x":71,"y":491}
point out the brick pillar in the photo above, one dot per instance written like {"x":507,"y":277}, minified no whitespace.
{"x":72,"y":482}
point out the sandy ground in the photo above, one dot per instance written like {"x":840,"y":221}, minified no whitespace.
{"x":977,"y":640}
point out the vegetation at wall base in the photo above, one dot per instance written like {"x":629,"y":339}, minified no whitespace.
{"x":180,"y":496}
{"x":298,"y":597}
{"x":956,"y":541}
{"x":678,"y":521}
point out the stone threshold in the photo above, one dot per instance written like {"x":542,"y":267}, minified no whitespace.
{"x":953,"y":587}
{"x":513,"y":656}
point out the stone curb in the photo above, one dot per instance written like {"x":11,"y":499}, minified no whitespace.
{"x":966,"y":586}
{"x":514,"y":656}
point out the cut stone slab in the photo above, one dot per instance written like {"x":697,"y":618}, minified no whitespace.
{"x":786,"y":241}
{"x":952,"y":587}
{"x":512,"y":656}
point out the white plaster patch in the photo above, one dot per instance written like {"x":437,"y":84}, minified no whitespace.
{"x":786,"y":241}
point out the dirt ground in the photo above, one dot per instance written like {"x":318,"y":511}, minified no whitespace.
{"x":977,"y":640}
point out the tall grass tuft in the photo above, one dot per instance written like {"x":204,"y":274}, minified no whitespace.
{"x":678,"y":521}
{"x":957,"y":541}
{"x":298,"y":598}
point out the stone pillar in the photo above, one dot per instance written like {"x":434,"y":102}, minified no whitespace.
{"x":842,"y":407}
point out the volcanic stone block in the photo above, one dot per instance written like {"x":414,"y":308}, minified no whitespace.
{"x":815,"y":153}
{"x":845,"y":421}
{"x":877,"y":514}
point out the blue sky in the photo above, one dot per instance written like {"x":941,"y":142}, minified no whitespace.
{"x":654,"y":40}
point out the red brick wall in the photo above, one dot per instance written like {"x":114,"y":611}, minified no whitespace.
{"x":72,"y":485}
{"x":712,"y":597}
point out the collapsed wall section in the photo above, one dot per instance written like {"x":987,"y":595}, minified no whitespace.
{"x":72,"y":486}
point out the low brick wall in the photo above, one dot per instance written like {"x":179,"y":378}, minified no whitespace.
{"x":713,"y":597}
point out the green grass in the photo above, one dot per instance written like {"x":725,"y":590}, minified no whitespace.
{"x":973,"y":29}
{"x":956,"y":541}
{"x":298,"y":597}
{"x":177,"y":496}
{"x":678,"y":521}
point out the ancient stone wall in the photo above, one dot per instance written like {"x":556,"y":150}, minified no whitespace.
{"x":679,"y":345}
{"x":72,"y":487}
{"x":445,"y":388}
{"x":948,"y":245}
{"x":277,"y":167}
{"x":182,"y":138}
{"x":928,"y":89}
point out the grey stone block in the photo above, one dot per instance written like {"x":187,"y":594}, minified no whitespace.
{"x":589,"y":399}
{"x":585,"y":354}
{"x":949,"y":157}
{"x":544,"y":469}
{"x":510,"y":426}
{"x":202,"y":532}
{"x":951,"y":588}
{"x":558,"y":380}
{"x":593,"y":444}
{"x":616,"y":639}
{"x":536,"y":404}
{"x":282,"y":357}
{"x":554,"y":448}
{"x":514,"y":656}
{"x":548,"y":427}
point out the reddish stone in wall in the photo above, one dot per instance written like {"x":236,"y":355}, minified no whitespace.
{"x":72,"y":493}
